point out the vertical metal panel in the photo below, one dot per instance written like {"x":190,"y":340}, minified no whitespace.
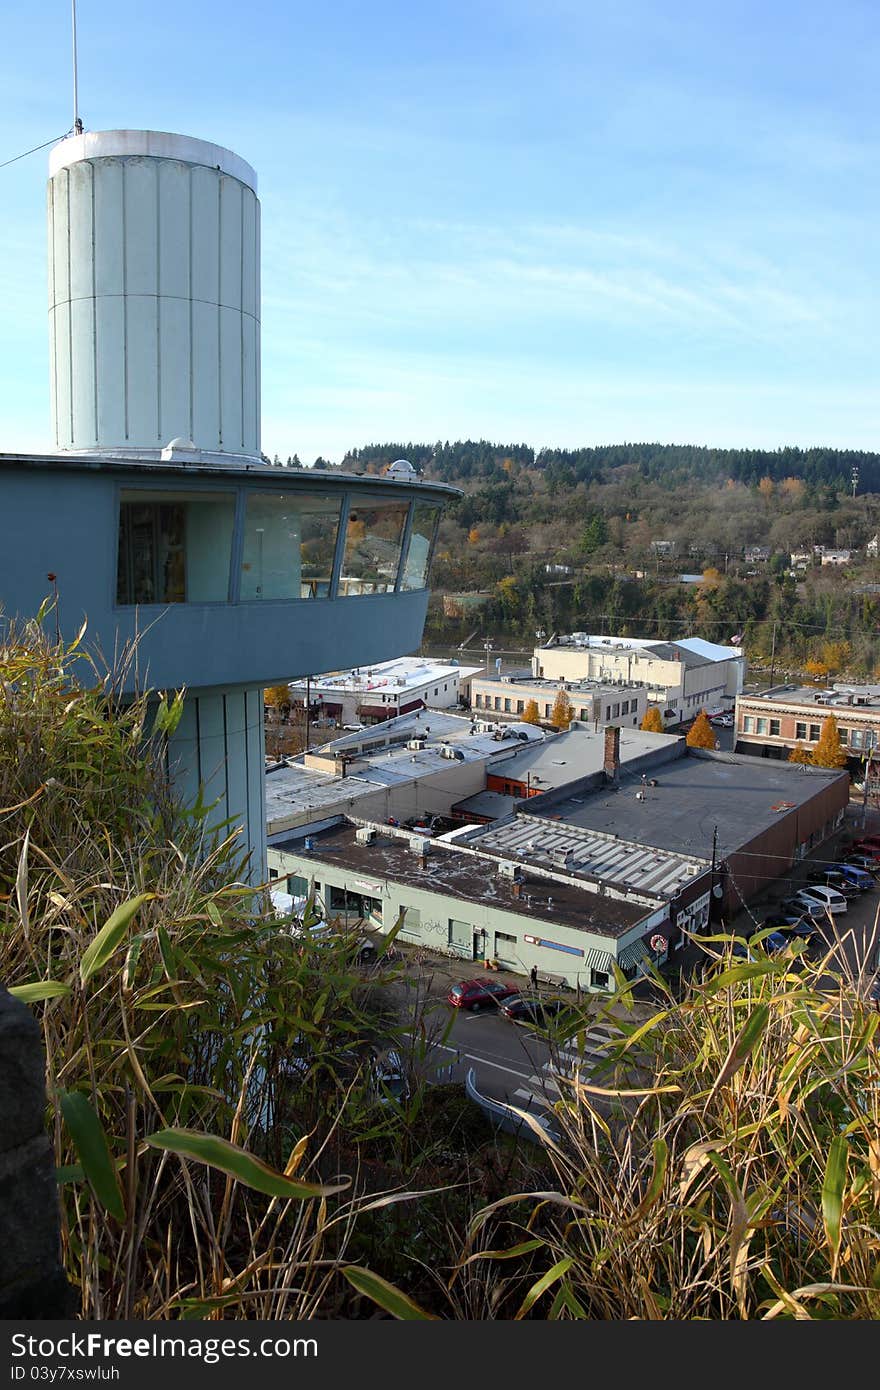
{"x":231,"y":361}
{"x":256,"y":770}
{"x":142,"y":375}
{"x":183,"y":757}
{"x":205,"y":235}
{"x":82,"y":362}
{"x":110,"y":354}
{"x":235,"y":711}
{"x":141,"y":228}
{"x":250,"y":402}
{"x":174,"y":369}
{"x":206,"y":374}
{"x":213,"y":753}
{"x":173,"y":208}
{"x":231,"y":194}
{"x":61,"y":324}
{"x":60,"y":248}
{"x":250,"y":253}
{"x":109,"y":274}
{"x":82,"y":232}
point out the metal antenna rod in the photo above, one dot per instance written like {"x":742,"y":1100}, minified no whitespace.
{"x":77,"y":123}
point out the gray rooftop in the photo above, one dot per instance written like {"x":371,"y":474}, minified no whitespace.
{"x":494,"y":804}
{"x":471,"y":877}
{"x":836,"y":699}
{"x":565,"y":757}
{"x":693,"y":795}
{"x":595,"y":855}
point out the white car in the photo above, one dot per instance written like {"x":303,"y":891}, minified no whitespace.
{"x":818,"y":895}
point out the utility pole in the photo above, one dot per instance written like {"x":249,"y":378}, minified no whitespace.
{"x":773,"y":651}
{"x":855,"y":478}
{"x":308,"y":709}
{"x":712,"y":873}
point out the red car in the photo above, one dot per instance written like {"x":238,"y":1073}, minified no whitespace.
{"x":479,"y":994}
{"x":869,"y":846}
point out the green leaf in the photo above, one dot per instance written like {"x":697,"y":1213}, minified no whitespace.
{"x":386,"y":1295}
{"x":38,"y":990}
{"x":90,"y":1141}
{"x":541,"y":1285}
{"x":832,"y":1195}
{"x":110,"y":936}
{"x":237,"y":1163}
{"x":745,"y":1042}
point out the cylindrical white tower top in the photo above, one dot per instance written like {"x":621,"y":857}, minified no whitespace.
{"x":154,"y":294}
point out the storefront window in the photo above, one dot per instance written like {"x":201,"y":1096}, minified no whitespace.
{"x":372,"y":549}
{"x":174,"y":547}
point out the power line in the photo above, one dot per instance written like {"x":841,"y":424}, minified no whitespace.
{"x":24,"y":155}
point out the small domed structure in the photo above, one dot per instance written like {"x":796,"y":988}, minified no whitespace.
{"x":401,"y":469}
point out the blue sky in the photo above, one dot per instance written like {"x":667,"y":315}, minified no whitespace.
{"x":550,"y":221}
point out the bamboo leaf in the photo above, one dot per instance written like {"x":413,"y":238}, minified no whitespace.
{"x":110,"y":936}
{"x":21,"y":884}
{"x":245,"y":1167}
{"x":541,"y":1285}
{"x":832,"y":1195}
{"x":38,"y":990}
{"x":744,"y":1044}
{"x":90,"y":1142}
{"x":386,"y":1295}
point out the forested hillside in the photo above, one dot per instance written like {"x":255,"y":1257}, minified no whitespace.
{"x":598,"y":539}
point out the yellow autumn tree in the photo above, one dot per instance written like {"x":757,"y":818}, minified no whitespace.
{"x":531,"y":715}
{"x":828,"y":751}
{"x":766,"y":488}
{"x":473,"y":535}
{"x":562,"y":711}
{"x":701,"y":734}
{"x":277,"y":696}
{"x":653,"y":720}
{"x":799,"y":754}
{"x":815,"y":667}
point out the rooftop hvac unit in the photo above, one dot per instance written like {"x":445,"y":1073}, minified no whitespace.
{"x":415,"y":745}
{"x":454,"y":754}
{"x":365,"y":835}
{"x":507,"y":868}
{"x":420,"y":844}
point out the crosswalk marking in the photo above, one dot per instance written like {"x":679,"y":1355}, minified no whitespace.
{"x":543,"y":1083}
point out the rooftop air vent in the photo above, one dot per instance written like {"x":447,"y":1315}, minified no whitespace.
{"x":365,"y":835}
{"x":415,"y":745}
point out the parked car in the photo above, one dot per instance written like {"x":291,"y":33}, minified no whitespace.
{"x":857,"y":876}
{"x":814,"y":912}
{"x":833,"y":879}
{"x":867,"y":844}
{"x":521,"y":1008}
{"x":479,"y":994}
{"x":388,"y":1077}
{"x":868,"y":862}
{"x":792,"y":924}
{"x":772,"y":944}
{"x":820,"y":895}
{"x":724,"y":721}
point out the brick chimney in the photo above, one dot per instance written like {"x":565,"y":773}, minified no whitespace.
{"x":612,"y":752}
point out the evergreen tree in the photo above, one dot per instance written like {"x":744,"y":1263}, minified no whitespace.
{"x":799,"y":754}
{"x":562,"y":711}
{"x":531,"y":715}
{"x":828,"y":751}
{"x":653,"y":720}
{"x":701,"y":733}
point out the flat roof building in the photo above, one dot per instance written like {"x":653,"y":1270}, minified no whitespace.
{"x":369,"y":695}
{"x":770,"y":722}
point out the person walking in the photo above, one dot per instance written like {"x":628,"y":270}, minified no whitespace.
{"x":533,"y":976}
